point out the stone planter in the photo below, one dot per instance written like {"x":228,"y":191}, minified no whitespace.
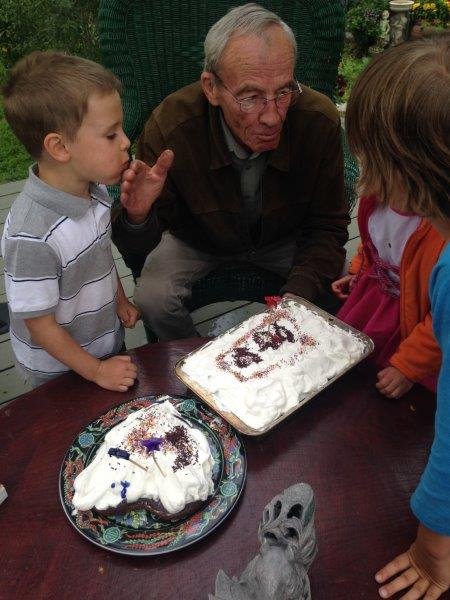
{"x":399,"y":21}
{"x":400,"y":5}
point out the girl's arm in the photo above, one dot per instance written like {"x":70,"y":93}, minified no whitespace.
{"x":359,"y":262}
{"x":343,"y":286}
{"x":418,"y":356}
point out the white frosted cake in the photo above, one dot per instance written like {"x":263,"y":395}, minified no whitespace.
{"x":153,"y":456}
{"x":268,"y":364}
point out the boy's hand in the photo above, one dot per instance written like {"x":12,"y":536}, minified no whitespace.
{"x":342,"y":287}
{"x":425,"y":568}
{"x":128,"y":313}
{"x":142,"y":185}
{"x":116,"y":373}
{"x":392,"y":383}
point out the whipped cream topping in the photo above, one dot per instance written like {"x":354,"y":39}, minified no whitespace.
{"x":268,"y":364}
{"x":179,"y":472}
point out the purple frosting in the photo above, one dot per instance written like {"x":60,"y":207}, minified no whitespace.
{"x":152,"y":444}
{"x":119,"y":453}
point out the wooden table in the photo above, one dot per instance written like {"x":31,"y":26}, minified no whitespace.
{"x":361,"y":453}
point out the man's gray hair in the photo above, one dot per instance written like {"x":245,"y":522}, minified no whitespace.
{"x":248,"y":19}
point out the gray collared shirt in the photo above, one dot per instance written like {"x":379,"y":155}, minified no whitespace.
{"x":58,"y":261}
{"x":251,"y":169}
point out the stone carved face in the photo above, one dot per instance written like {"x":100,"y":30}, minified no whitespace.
{"x":288,"y":547}
{"x":288,"y":522}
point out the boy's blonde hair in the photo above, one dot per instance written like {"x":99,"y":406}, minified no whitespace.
{"x":48,"y":92}
{"x":398,"y":125}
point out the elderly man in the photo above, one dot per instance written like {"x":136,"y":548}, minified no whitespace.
{"x":256,"y":175}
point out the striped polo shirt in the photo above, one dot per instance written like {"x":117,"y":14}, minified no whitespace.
{"x":58,"y":260}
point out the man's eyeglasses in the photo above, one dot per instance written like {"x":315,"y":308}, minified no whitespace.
{"x":254,"y":104}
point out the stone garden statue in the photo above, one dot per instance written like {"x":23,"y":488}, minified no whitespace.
{"x":384,"y":35}
{"x":288,"y":547}
{"x":384,"y":29}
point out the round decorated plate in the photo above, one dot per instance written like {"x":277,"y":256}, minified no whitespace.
{"x":139,"y":533}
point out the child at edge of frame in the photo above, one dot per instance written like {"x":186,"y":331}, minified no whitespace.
{"x":386,"y":295}
{"x":66,"y":302}
{"x":398,"y":126}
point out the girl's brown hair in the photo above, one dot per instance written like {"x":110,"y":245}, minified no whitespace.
{"x":398,"y":125}
{"x":48,"y":92}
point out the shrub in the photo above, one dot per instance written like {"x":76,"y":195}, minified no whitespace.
{"x":363,"y":21}
{"x":349,"y":69}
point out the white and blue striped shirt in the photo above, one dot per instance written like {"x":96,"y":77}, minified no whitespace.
{"x":58,"y":260}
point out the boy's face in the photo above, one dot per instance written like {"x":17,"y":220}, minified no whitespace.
{"x":99,"y":152}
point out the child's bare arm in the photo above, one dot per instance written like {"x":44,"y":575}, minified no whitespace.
{"x":116,"y":373}
{"x":425,"y":568}
{"x":342,"y":287}
{"x":127,"y":312}
{"x":393,"y":383}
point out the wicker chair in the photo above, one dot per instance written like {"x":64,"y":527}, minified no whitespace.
{"x":156,"y":46}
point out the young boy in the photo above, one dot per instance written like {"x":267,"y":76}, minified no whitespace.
{"x":66,"y":303}
{"x":398,"y":125}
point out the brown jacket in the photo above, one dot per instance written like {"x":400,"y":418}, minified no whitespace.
{"x":201,"y":204}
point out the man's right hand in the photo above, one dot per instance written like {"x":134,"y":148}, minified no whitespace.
{"x":141,"y":186}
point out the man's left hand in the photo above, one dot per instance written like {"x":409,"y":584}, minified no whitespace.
{"x":142,"y":185}
{"x":291,"y":296}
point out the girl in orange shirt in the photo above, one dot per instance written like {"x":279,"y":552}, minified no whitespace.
{"x":386,"y":295}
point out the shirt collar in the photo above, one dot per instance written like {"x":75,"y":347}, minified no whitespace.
{"x":220,"y":154}
{"x":61,"y":202}
{"x":233,"y":145}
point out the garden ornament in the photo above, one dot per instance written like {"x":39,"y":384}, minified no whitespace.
{"x":288,"y":547}
{"x":384,"y":29}
{"x":384,"y":35}
{"x":399,"y":20}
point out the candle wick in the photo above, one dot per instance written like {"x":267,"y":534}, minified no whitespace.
{"x":156,"y":463}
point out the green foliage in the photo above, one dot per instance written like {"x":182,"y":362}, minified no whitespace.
{"x":431,"y":12}
{"x":28,"y":25}
{"x":349,"y":69}
{"x":14,"y":159}
{"x":363,"y":21}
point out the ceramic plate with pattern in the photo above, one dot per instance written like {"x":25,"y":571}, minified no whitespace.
{"x":138,"y":533}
